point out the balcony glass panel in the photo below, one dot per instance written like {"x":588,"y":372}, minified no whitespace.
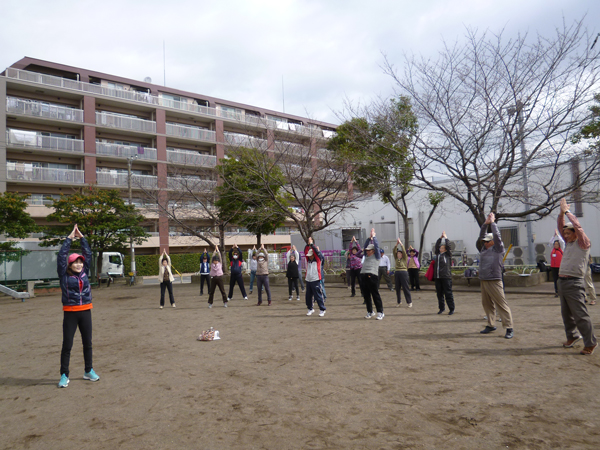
{"x":106,"y":119}
{"x":119,"y":179}
{"x":26,"y":172}
{"x":42,"y":109}
{"x":187,"y":157}
{"x":32,"y":139}
{"x":189,"y":132}
{"x":243,"y":140}
{"x":125,"y":151}
{"x":193,"y":184}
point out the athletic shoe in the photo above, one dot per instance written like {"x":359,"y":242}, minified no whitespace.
{"x":380,"y":316}
{"x":225,"y":304}
{"x":571,"y":342}
{"x":297,"y":298}
{"x":173,"y":305}
{"x":410,"y":306}
{"x":91,"y":375}
{"x":160,"y":307}
{"x":451,"y":312}
{"x":245,"y":298}
{"x":321,"y":313}
{"x":290,"y":298}
{"x":398,"y":305}
{"x":269,"y":304}
{"x":588,"y":350}
{"x":228,"y":299}
{"x":509,"y":333}
{"x":369,"y":315}
{"x":310,"y":311}
{"x":251,"y":291}
{"x":64,"y":381}
{"x":209,"y":305}
{"x":441,"y":311}
{"x":488,"y":329}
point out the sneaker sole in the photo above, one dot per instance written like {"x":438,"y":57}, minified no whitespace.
{"x":573,"y":343}
{"x":64,"y":385}
{"x":90,"y":379}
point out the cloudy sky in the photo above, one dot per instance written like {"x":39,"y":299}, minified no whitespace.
{"x":325,"y":51}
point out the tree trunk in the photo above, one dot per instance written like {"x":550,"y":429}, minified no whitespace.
{"x":424,"y":229}
{"x":258,"y":240}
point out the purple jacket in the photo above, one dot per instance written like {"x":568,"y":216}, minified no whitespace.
{"x":355,"y":260}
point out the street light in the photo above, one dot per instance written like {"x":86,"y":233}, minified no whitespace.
{"x":131,"y":248}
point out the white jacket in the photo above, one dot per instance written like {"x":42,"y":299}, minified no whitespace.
{"x":161,"y":269}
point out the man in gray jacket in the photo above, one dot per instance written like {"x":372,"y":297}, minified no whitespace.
{"x":491,"y":251}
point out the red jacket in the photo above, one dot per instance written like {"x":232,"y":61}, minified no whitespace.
{"x":556,"y":255}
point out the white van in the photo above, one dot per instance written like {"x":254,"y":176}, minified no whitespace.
{"x":112,"y":265}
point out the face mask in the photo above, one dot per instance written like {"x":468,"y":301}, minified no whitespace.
{"x":261,"y":259}
{"x":235,"y":257}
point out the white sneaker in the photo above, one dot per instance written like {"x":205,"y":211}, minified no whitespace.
{"x":245,"y":298}
{"x":310,"y":311}
{"x":209,"y":305}
{"x":290,"y":297}
{"x":298,"y":298}
{"x":161,"y":307}
{"x":321,"y":313}
{"x":380,"y":316}
{"x":369,"y":315}
{"x":410,"y":305}
{"x":228,"y":299}
{"x":225,"y":305}
{"x":173,"y":305}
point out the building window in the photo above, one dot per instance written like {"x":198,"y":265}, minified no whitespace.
{"x":510,"y":236}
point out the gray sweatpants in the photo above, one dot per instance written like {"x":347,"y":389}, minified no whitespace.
{"x":573,"y":310}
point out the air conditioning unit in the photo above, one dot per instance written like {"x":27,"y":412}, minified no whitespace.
{"x":517,"y":252}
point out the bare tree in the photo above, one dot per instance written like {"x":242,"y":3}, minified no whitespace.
{"x":497,"y":117}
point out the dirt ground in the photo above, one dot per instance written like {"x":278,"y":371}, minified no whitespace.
{"x":281,"y":380}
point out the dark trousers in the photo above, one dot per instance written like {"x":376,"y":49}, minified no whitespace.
{"x":293,"y":284}
{"x":216,"y":281}
{"x":355,"y":275}
{"x":573,"y":310}
{"x":401,"y":278}
{"x":252,"y":277}
{"x":383,"y":272}
{"x":370,"y":288}
{"x":166,"y":285}
{"x":413,"y":276}
{"x":263,"y":280}
{"x":240,"y":281}
{"x":313,"y":290}
{"x":204,"y":278}
{"x":443,"y":288}
{"x":555,"y":278}
{"x":72,"y":320}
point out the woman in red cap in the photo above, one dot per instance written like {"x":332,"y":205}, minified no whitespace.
{"x":73,"y":272}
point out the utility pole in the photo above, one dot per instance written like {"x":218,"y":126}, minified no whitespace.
{"x":131,"y":248}
{"x":529,"y":224}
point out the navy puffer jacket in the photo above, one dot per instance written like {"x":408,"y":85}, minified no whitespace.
{"x":72,"y":294}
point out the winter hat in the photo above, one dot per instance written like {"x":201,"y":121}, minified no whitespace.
{"x":261,"y":254}
{"x":74,"y":257}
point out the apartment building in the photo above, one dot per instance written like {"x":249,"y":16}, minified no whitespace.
{"x":68,"y":128}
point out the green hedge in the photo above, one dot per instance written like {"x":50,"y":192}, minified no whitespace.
{"x":147,"y":265}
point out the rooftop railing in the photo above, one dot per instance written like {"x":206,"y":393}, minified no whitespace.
{"x":34,"y":108}
{"x":25,"y":172}
{"x":191,"y":158}
{"x":190,"y":132}
{"x":65,"y":83}
{"x":125,"y":151}
{"x":106,"y":119}
{"x":119,"y":179}
{"x":32,"y":139}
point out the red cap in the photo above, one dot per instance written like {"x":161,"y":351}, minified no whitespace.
{"x":74,"y":256}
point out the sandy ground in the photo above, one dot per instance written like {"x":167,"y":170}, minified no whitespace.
{"x":281,"y":380}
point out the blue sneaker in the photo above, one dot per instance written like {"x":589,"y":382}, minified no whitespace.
{"x":91,"y":375}
{"x":64,"y":381}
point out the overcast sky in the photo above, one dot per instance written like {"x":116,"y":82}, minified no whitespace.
{"x":326,"y":51}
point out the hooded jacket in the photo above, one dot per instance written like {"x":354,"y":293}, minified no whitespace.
{"x":443,"y":261}
{"x":76,"y":291}
{"x":236,"y":264}
{"x":313,"y":268}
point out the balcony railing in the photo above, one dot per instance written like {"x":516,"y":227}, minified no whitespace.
{"x":125,"y":151}
{"x":39,"y":109}
{"x":25,"y":172}
{"x":242,"y":140}
{"x":65,"y":83}
{"x":146,"y":98}
{"x":111,"y":120}
{"x":190,"y":158}
{"x":189,"y":132}
{"x":119,"y":179}
{"x":32,"y":139}
{"x":190,"y":184}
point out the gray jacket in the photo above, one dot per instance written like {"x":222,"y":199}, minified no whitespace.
{"x":490,"y":260}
